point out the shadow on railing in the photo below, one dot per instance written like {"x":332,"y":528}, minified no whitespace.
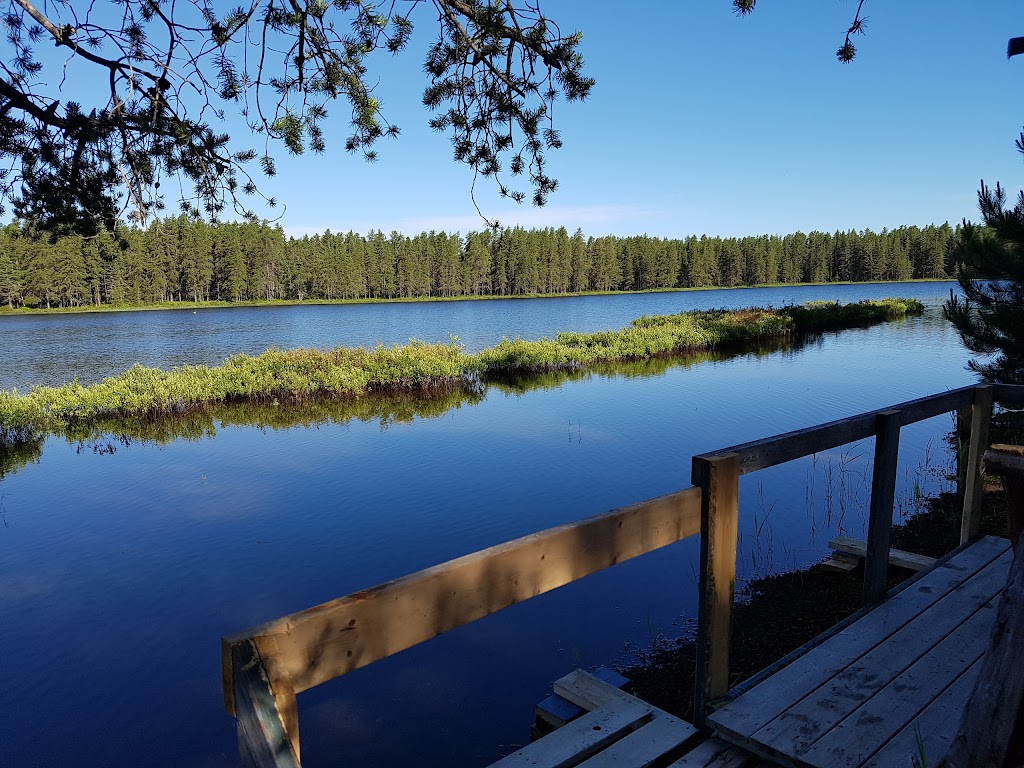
{"x":265,"y":667}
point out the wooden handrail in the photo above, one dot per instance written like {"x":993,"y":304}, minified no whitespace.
{"x":265,"y":667}
{"x":770,"y":451}
{"x":307,"y":648}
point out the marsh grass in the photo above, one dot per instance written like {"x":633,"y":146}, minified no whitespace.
{"x":302,"y":375}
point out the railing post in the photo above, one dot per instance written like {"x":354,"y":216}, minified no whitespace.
{"x":981,"y":417}
{"x":883,"y":492}
{"x":264,"y":740}
{"x":718,"y":478}
{"x":963,"y":444}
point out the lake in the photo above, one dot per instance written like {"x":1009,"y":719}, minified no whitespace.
{"x":122,"y":562}
{"x":54,"y":349}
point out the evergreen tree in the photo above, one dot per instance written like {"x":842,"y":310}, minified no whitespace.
{"x":580,"y":262}
{"x":380,"y":266}
{"x":476,"y":261}
{"x":990,"y":316}
{"x":230,"y":264}
{"x":10,"y":278}
{"x":816,"y":266}
{"x":606,"y":270}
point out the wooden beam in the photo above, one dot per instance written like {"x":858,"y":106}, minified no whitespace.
{"x":263,"y":741}
{"x":761,"y":454}
{"x":840,"y":562}
{"x":328,"y":640}
{"x":981,"y":417}
{"x":994,"y":708}
{"x":718,"y":478}
{"x":1007,"y":462}
{"x":883,"y":492}
{"x":897,"y":557}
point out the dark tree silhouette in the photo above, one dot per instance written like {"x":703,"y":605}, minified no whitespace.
{"x":990,"y":316}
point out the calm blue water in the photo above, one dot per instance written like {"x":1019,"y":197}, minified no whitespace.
{"x":119,"y":572}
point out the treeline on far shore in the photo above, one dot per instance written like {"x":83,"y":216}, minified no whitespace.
{"x":180,"y":260}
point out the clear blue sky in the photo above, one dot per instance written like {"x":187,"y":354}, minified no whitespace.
{"x":704,"y":122}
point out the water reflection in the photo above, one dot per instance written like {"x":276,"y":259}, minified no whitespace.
{"x":20,"y":455}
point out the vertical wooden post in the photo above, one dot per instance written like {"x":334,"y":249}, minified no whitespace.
{"x":963,"y":443}
{"x":883,"y":492}
{"x":719,"y":480}
{"x":981,"y":417}
{"x":282,"y":688}
{"x":263,"y":738}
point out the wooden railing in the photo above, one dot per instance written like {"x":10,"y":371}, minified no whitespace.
{"x":264,"y":668}
{"x":717,"y":475}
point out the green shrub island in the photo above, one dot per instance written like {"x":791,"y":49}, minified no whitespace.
{"x":300,"y":375}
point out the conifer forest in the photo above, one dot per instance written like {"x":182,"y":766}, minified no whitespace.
{"x":183,"y":260}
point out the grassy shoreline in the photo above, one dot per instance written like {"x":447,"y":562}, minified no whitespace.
{"x":303,"y":374}
{"x":194,"y":306}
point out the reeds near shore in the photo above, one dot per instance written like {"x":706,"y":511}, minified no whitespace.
{"x":302,"y":374}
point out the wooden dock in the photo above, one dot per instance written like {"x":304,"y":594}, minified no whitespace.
{"x":885,"y":687}
{"x":878,"y":692}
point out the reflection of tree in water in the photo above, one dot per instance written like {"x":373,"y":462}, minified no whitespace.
{"x":16,"y":455}
{"x":105,"y":435}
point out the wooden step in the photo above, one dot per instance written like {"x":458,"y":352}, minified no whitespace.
{"x":554,"y":711}
{"x":897,"y":557}
{"x":617,"y":730}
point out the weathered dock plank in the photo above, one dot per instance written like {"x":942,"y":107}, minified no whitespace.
{"x":618,"y":731}
{"x":809,"y":718}
{"x":988,"y":724}
{"x":715,"y":753}
{"x":757,"y":707}
{"x":580,"y":738}
{"x":644,"y":746}
{"x":897,"y":557}
{"x":556,"y":711}
{"x":864,"y":730}
{"x":932,"y":732}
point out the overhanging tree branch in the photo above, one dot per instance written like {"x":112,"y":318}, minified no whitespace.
{"x":175,"y":67}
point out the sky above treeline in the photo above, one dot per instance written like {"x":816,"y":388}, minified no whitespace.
{"x":703,"y":122}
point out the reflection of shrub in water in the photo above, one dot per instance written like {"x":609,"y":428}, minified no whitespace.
{"x":520,"y":383}
{"x":16,"y":456}
{"x":396,"y":408}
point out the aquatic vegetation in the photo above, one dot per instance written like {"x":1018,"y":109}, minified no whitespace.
{"x":817,"y":316}
{"x":304,"y":375}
